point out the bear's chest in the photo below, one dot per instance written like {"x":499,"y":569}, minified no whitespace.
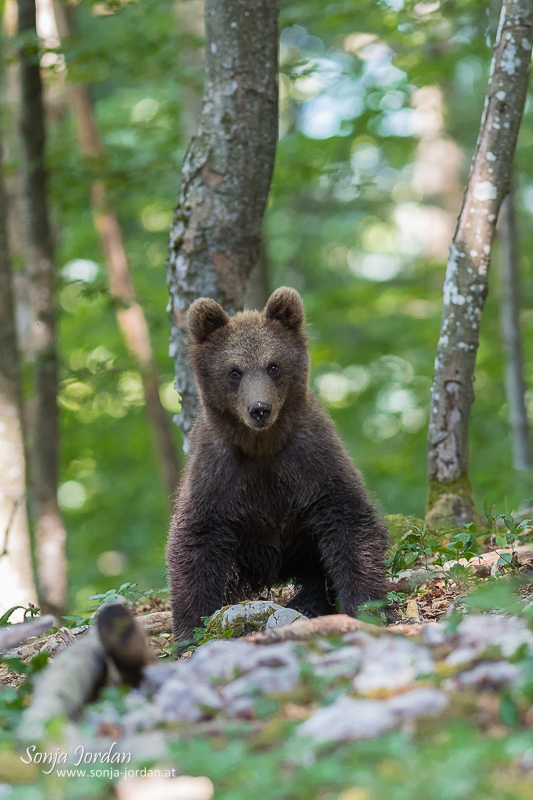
{"x":266,"y":507}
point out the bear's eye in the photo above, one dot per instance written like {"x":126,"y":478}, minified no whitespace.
{"x":273,"y":369}
{"x":235,"y":374}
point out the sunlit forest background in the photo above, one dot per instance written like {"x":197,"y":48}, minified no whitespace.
{"x":380,"y":104}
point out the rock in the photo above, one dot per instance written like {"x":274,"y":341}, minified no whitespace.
{"x":487,"y":563}
{"x":342,"y":663}
{"x":391,"y":662}
{"x":222,"y":659}
{"x":154,"y":675}
{"x":183,"y":701}
{"x":490,"y":675}
{"x":226,"y":659}
{"x":348,"y":719}
{"x":418,"y":702}
{"x":462,"y":655}
{"x":264,"y":680}
{"x":276,"y":671}
{"x":283,"y":616}
{"x":434,"y":633}
{"x":499,"y":630}
{"x":243,"y":618}
{"x":240,"y":707}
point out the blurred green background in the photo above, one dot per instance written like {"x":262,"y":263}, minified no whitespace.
{"x":380,"y":104}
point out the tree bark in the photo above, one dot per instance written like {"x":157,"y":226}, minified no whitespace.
{"x":17,"y":587}
{"x":215,"y":234}
{"x":257,"y":290}
{"x":515,"y":384}
{"x":51,"y":534}
{"x":130,"y":315}
{"x":466,"y":282}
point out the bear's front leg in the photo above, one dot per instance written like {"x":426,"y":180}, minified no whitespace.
{"x":198,"y":572}
{"x":352,"y":542}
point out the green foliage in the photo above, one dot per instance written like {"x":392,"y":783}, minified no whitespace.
{"x":343,"y":225}
{"x":419,"y":547}
{"x":13,"y":700}
{"x":29,"y":612}
{"x":204,"y":634}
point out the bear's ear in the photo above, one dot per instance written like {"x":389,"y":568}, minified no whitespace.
{"x":286,"y":306}
{"x":204,"y":317}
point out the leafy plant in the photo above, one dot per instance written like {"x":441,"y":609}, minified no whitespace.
{"x":29,"y":611}
{"x":514,"y":534}
{"x":412,"y":548}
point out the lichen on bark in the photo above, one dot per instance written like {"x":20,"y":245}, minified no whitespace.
{"x":215,"y":234}
{"x":466,"y":281}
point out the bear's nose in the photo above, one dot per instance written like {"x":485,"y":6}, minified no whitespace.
{"x":259,"y":412}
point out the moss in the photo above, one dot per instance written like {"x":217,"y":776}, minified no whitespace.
{"x":240,"y":626}
{"x":452,"y":502}
{"x":398,"y":524}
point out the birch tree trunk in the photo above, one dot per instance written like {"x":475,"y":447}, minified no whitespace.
{"x":466,"y":283}
{"x":51,"y":534}
{"x":515,"y":384}
{"x":215,"y":234}
{"x":17,"y":586}
{"x":130,"y":316}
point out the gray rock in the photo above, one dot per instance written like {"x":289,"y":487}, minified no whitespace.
{"x":434,"y":633}
{"x":250,"y":610}
{"x":342,"y":663}
{"x":484,"y":630}
{"x":222,"y":659}
{"x":462,"y":655}
{"x":154,"y":675}
{"x":240,"y":707}
{"x":264,"y":680}
{"x":228,"y":658}
{"x":183,"y":701}
{"x":390,"y":662}
{"x":490,"y":675}
{"x":283,"y":616}
{"x":418,"y":702}
{"x":348,"y":719}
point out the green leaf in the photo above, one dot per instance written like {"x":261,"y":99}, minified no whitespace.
{"x":4,"y":619}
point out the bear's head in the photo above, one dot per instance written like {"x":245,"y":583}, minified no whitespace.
{"x":251,"y":369}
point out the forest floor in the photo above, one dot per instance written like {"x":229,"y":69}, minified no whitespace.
{"x":430,"y":694}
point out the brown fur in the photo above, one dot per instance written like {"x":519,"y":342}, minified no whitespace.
{"x":266,"y":501}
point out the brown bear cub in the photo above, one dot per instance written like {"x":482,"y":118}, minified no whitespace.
{"x":269,"y":494}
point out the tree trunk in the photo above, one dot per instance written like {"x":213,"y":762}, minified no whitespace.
{"x":515,"y":385}
{"x":215,"y":235}
{"x":50,"y":529}
{"x":130,"y":316}
{"x":257,"y":290}
{"x":466,"y":282}
{"x":17,"y":586}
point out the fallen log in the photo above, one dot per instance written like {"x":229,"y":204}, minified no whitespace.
{"x":53,"y":644}
{"x":64,"y":688}
{"x":112,"y":653}
{"x":156,"y":622}
{"x":303,"y":629}
{"x":14,"y":635}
